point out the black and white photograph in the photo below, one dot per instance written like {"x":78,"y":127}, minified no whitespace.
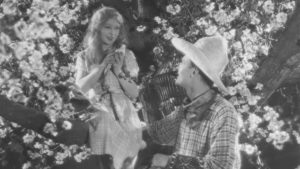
{"x":149,"y":84}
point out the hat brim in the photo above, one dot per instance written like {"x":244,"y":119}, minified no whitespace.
{"x":200,"y":60}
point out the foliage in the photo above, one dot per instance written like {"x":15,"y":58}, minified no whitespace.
{"x":39,"y":40}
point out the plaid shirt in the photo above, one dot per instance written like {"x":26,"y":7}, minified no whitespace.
{"x":214,"y":141}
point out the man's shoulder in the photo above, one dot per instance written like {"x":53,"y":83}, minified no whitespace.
{"x":222,"y":108}
{"x":221,"y":102}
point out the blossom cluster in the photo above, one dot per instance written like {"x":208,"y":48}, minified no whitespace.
{"x":35,"y":56}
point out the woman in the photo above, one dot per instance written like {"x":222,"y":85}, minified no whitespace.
{"x":116,"y":129}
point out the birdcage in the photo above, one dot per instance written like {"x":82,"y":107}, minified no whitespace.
{"x":160,"y":96}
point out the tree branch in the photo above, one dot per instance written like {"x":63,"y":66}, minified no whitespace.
{"x":282,"y":73}
{"x":274,"y":70}
{"x":34,"y":120}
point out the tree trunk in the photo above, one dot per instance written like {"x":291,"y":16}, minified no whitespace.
{"x":283,"y":59}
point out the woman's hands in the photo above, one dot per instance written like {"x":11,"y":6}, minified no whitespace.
{"x":105,"y":64}
{"x":117,"y":66}
{"x":109,"y":59}
{"x":113,"y":60}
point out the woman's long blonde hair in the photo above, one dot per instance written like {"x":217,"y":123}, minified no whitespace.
{"x":92,"y":40}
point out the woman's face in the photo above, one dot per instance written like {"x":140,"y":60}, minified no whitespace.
{"x":110,"y":31}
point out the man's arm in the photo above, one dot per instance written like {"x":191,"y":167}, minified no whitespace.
{"x":165,"y":131}
{"x":223,"y":152}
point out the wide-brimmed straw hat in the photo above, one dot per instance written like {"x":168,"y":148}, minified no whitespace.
{"x":209,"y":54}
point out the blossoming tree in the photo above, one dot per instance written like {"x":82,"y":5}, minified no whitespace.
{"x":39,"y":40}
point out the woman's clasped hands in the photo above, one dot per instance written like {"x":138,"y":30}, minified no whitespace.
{"x":118,"y":62}
{"x":113,"y":60}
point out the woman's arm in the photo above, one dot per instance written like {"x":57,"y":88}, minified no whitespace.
{"x":126,"y":79}
{"x":86,"y":82}
{"x":130,"y":66}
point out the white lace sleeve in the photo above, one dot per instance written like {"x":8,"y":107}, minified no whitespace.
{"x":130,"y":64}
{"x":80,"y":65}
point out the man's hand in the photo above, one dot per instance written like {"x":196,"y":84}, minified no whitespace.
{"x":160,"y":160}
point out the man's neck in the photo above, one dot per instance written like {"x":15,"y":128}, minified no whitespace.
{"x":201,"y":93}
{"x":202,"y":98}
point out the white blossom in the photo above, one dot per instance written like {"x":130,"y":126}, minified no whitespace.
{"x":33,"y":155}
{"x":254,"y":18}
{"x":297,"y":136}
{"x":61,"y":156}
{"x":249,"y":149}
{"x":65,"y":43}
{"x":156,"y":30}
{"x":210,"y":7}
{"x":211,"y":30}
{"x":289,"y":5}
{"x":252,"y":100}
{"x":254,"y":121}
{"x":237,"y":46}
{"x":173,"y":9}
{"x":50,"y":128}
{"x":80,"y":156}
{"x":28,"y":138}
{"x":230,"y":34}
{"x":270,"y":115}
{"x":278,"y":138}
{"x":141,"y":28}
{"x":222,"y":17}
{"x":244,"y":108}
{"x":158,"y":19}
{"x":10,"y":7}
{"x":232,"y":90}
{"x":67,"y":125}
{"x":268,"y":7}
{"x":281,"y":17}
{"x":264,"y":49}
{"x":275,"y":125}
{"x":169,"y":34}
{"x":26,"y":165}
{"x":202,"y":22}
{"x":38,"y":145}
{"x":66,"y":15}
{"x":236,"y":12}
{"x":3,"y":133}
{"x":157,"y":50}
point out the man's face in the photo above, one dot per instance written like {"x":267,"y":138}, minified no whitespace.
{"x":185,"y":71}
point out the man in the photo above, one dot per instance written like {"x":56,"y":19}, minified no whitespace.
{"x":204,"y":131}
